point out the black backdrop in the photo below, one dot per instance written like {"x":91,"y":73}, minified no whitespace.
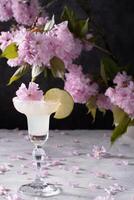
{"x":116,"y":18}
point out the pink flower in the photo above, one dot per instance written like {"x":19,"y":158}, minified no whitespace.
{"x":123,"y":93}
{"x":25,"y":12}
{"x":42,"y":21}
{"x":65,"y":46}
{"x":32,"y":93}
{"x":5,"y":39}
{"x":78,"y":85}
{"x":18,"y":37}
{"x":122,"y":79}
{"x":5,"y":10}
{"x":98,"y":152}
{"x":36,"y":49}
{"x":103,"y":102}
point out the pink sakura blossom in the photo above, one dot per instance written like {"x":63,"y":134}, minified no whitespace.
{"x":5,"y":39}
{"x":5,"y":10}
{"x":103,"y":102}
{"x":18,"y":36}
{"x":122,"y":79}
{"x":122,"y":95}
{"x":25,"y":12}
{"x":33,"y":48}
{"x":30,"y":93}
{"x":42,"y":21}
{"x":98,"y":152}
{"x":78,"y":85}
{"x":65,"y":46}
{"x":38,"y":48}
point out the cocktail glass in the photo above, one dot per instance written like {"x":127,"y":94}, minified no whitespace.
{"x":38,"y":117}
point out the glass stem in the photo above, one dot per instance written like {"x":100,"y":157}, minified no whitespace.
{"x":38,"y":156}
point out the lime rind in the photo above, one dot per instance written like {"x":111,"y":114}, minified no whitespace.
{"x":65,"y":100}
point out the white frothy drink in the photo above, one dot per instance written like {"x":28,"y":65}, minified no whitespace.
{"x":37,"y":113}
{"x":38,"y":125}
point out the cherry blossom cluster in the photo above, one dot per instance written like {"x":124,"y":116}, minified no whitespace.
{"x":78,"y":85}
{"x":82,"y":88}
{"x":38,"y":48}
{"x":31,"y":93}
{"x":122,"y":95}
{"x":23,"y":11}
{"x":103,"y":102}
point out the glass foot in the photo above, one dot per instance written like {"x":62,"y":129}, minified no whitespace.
{"x":38,"y":190}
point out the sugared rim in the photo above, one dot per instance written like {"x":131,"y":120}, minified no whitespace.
{"x":35,"y":101}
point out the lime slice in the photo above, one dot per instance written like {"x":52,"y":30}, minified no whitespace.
{"x":64,"y":98}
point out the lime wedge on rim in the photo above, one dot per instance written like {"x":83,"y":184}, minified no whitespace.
{"x":64,"y":98}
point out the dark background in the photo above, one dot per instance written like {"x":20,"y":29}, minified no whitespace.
{"x":116,"y":19}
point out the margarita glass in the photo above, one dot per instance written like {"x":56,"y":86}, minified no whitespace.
{"x":38,"y":116}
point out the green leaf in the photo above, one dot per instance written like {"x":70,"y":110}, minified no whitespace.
{"x":45,"y":72}
{"x":19,"y":73}
{"x":57,"y":67}
{"x":120,"y":129}
{"x":36,"y":71}
{"x":91,"y":106}
{"x":49,"y":25}
{"x":10,"y":51}
{"x":69,"y":15}
{"x":108,"y":69}
{"x":118,"y":114}
{"x":103,"y":73}
{"x":102,"y":110}
{"x":77,"y":26}
{"x":82,"y":27}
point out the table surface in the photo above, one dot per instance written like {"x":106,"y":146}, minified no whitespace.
{"x":81,"y":162}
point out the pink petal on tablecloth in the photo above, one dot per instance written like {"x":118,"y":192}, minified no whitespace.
{"x":59,"y":145}
{"x":4,"y":168}
{"x":104,"y":198}
{"x":114,"y":189}
{"x":99,"y":152}
{"x":13,"y":197}
{"x":76,"y":141}
{"x":76,"y":169}
{"x":3,"y":190}
{"x":103,"y":175}
{"x":124,"y":162}
{"x":74,"y":185}
{"x":17,"y":157}
{"x":22,"y":172}
{"x":92,"y":187}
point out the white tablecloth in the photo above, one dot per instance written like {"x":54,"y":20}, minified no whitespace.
{"x":71,"y":164}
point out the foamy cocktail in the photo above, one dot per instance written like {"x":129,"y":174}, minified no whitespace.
{"x":37,"y":108}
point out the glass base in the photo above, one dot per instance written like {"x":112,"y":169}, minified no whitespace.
{"x":38,"y":190}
